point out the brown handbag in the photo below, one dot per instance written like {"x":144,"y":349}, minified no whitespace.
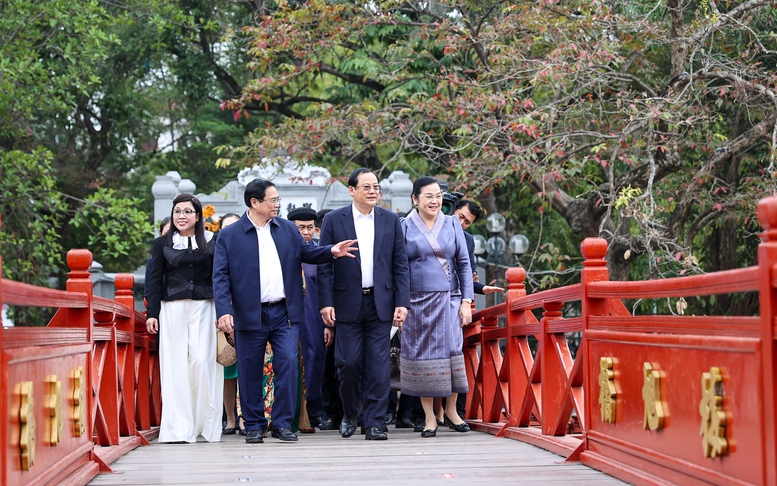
{"x":225,"y":349}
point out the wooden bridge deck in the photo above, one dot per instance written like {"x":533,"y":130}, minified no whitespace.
{"x":326,"y":458}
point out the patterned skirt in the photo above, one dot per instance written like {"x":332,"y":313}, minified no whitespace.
{"x":432,"y":363}
{"x":301,"y":420}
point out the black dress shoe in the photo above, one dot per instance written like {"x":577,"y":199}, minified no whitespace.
{"x":404,"y":423}
{"x":254,"y":437}
{"x":327,"y":424}
{"x":440,"y":422}
{"x":390,"y":419}
{"x":285,"y":434}
{"x":228,"y":431}
{"x":348,"y":426}
{"x":382,"y":427}
{"x":375,"y":433}
{"x":242,"y":432}
{"x":419,"y":426}
{"x":462,"y":427}
{"x":429,"y":433}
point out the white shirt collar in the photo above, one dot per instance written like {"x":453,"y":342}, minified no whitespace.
{"x":358,"y":214}
{"x":182,"y":242}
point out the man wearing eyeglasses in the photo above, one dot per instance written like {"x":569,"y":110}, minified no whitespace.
{"x":257,"y":285}
{"x":362,"y":296}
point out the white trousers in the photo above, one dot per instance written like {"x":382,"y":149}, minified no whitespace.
{"x":192,"y":382}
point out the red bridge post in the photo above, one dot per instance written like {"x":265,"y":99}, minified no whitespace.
{"x":767,"y":261}
{"x":516,"y":346}
{"x":594,"y":269}
{"x":126,"y":354}
{"x":78,"y":280}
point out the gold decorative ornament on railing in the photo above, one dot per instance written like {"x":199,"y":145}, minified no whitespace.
{"x":53,"y":407}
{"x":607,"y":391}
{"x":651,"y":395}
{"x":713,"y":418}
{"x":24,"y":412}
{"x":79,"y":400}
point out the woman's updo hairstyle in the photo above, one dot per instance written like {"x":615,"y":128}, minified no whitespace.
{"x":422,"y":182}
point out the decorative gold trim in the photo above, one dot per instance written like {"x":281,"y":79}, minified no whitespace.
{"x":713,"y":418}
{"x":79,"y":400}
{"x":651,"y":395}
{"x":53,"y":407}
{"x":24,"y":412}
{"x":607,"y":392}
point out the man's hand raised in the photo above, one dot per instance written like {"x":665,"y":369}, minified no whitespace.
{"x":344,"y":248}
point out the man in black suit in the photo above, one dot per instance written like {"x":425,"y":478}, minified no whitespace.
{"x":362,"y":296}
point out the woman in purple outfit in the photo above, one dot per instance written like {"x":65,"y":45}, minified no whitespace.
{"x":440,"y":295}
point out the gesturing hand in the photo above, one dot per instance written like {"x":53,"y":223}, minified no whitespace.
{"x":344,"y":248}
{"x":490,"y":289}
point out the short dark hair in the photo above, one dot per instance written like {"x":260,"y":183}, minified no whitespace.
{"x":228,"y":215}
{"x":256,"y":189}
{"x":165,"y":220}
{"x":422,"y":182}
{"x":199,"y":226}
{"x":353,"y":181}
{"x":320,"y":217}
{"x":473,"y":207}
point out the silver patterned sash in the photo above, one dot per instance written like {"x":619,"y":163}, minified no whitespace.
{"x":431,"y":238}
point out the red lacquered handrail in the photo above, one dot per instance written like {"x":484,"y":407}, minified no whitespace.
{"x":724,"y":282}
{"x":22,"y":294}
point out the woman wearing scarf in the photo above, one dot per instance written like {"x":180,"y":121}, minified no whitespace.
{"x":432,"y":363}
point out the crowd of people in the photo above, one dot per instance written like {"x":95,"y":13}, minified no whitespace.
{"x":312,"y":321}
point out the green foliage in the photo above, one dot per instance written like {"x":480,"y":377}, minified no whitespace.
{"x":648,"y":126}
{"x":32,"y":212}
{"x":97,"y":85}
{"x":116,"y":230}
{"x":48,"y":50}
{"x":641,"y":124}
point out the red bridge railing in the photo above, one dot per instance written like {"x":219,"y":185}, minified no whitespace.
{"x":648,"y":398}
{"x":81,"y":391}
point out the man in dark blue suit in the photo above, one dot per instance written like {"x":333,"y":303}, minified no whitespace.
{"x":363,"y":296}
{"x":257,"y":286}
{"x":311,"y":333}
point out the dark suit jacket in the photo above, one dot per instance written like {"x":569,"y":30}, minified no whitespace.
{"x":178,"y":274}
{"x":340,"y":282}
{"x":472,"y":261}
{"x":236,"y":270}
